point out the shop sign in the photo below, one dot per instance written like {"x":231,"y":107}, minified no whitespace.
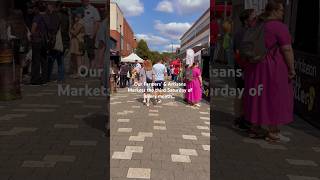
{"x":307,"y":87}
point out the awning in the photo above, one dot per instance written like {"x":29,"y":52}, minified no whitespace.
{"x":132,"y":58}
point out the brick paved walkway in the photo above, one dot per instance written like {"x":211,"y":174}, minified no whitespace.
{"x":168,"y":141}
{"x":49,"y":137}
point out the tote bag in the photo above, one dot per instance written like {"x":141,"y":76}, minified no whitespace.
{"x":59,"y":44}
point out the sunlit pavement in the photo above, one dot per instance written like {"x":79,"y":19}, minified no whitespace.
{"x":169,"y":140}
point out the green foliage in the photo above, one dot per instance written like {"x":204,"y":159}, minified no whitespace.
{"x":142,"y":49}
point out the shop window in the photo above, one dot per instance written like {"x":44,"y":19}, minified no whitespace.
{"x":307,"y":27}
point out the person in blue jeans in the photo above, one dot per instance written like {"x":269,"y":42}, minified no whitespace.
{"x":54,"y":24}
{"x":52,"y":57}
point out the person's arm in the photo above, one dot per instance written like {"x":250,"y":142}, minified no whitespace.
{"x":165,"y":73}
{"x":34,"y":28}
{"x":284,"y":40}
{"x":153,"y":75}
{"x":97,"y":22}
{"x":289,"y":59}
{"x":9,"y":33}
{"x":200,"y":79}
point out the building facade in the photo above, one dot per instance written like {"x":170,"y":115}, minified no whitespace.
{"x":198,"y":35}
{"x":121,"y":31}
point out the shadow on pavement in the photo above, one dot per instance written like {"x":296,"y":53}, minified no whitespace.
{"x":96,"y":121}
{"x":222,"y":119}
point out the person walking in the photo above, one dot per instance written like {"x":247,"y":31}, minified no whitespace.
{"x":172,"y":73}
{"x":124,"y":69}
{"x":275,"y":72}
{"x":39,"y":40}
{"x":176,"y":72}
{"x":194,"y":91}
{"x":159,"y":74}
{"x":137,"y":68}
{"x":18,"y":33}
{"x":91,"y":23}
{"x":55,"y":53}
{"x":146,"y":75}
{"x":247,"y":19}
{"x":77,"y":33}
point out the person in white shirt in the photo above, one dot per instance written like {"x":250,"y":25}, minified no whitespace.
{"x":91,"y":23}
{"x":159,"y":74}
{"x":137,"y":68}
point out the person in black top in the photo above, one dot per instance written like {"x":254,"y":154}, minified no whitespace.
{"x":247,"y":18}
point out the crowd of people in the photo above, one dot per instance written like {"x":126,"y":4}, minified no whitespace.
{"x":274,"y":71}
{"x":47,"y":32}
{"x":151,"y":78}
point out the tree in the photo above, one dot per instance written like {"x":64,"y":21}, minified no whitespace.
{"x":142,"y":49}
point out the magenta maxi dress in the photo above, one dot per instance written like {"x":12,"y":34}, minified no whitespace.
{"x":275,"y":104}
{"x":195,"y":94}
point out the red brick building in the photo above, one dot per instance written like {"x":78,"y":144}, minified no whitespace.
{"x":121,"y":31}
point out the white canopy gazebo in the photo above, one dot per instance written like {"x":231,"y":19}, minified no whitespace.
{"x":132,"y":58}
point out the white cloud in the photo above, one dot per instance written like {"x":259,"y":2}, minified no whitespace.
{"x":172,"y":30}
{"x":165,"y":6}
{"x":130,"y":7}
{"x":152,"y":40}
{"x":191,"y":6}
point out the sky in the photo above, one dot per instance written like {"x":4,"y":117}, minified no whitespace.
{"x":162,"y":22}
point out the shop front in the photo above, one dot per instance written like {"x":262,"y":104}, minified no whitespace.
{"x":303,"y":20}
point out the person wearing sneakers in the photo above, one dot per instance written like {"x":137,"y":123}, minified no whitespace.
{"x":159,"y":74}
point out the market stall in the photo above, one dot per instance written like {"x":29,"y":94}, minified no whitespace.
{"x":132,"y":58}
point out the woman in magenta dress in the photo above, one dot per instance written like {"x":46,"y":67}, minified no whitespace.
{"x":274,"y":106}
{"x":194,"y":84}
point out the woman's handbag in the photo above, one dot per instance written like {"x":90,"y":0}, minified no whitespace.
{"x":58,"y":46}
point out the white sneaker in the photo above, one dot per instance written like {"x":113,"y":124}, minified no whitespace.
{"x":159,"y":101}
{"x":283,"y":138}
{"x":148,"y":104}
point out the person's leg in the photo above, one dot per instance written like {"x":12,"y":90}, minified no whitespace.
{"x":144,"y":97}
{"x":60,"y":61}
{"x":78,"y":64}
{"x":44,"y":65}
{"x":121,"y":81}
{"x":273,"y":134}
{"x":148,"y":99}
{"x":129,"y":82}
{"x":72,"y":65}
{"x":91,"y":53}
{"x":124,"y":81}
{"x":35,"y":64}
{"x":51,"y":60}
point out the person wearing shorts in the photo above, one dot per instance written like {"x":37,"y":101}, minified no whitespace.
{"x":159,"y":74}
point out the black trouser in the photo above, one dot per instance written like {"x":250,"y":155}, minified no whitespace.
{"x":39,"y":63}
{"x":123,"y":81}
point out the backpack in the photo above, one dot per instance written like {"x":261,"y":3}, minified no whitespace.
{"x":189,"y":75}
{"x":252,"y":46}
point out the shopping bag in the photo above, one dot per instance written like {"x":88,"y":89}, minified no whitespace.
{"x":59,"y":44}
